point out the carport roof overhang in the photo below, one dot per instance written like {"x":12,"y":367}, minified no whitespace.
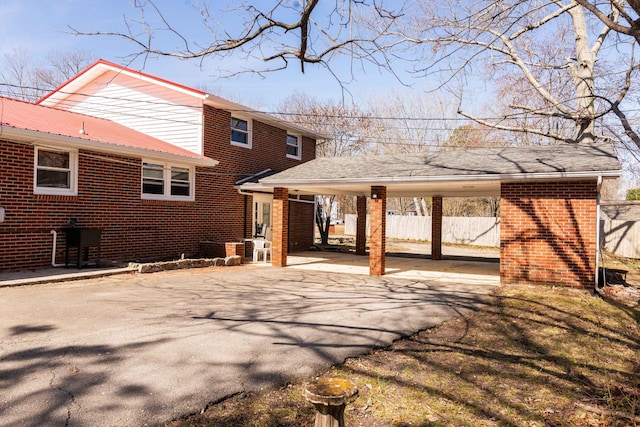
{"x":471,"y":173}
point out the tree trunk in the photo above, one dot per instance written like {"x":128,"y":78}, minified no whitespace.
{"x":323,"y":219}
{"x":582,"y":74}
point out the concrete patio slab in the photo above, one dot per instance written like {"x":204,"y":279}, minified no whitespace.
{"x":458,"y":270}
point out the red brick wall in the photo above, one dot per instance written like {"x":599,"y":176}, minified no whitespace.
{"x":135,"y":229}
{"x":301,"y":225}
{"x":548,"y":233}
{"x":108,"y":198}
{"x":268,"y":151}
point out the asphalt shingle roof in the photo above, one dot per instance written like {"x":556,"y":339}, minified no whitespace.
{"x":552,"y":159}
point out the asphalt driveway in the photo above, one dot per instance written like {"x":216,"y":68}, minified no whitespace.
{"x":136,"y":349}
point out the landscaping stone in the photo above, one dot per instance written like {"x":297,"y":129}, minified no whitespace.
{"x":153,"y":267}
{"x":233,"y":260}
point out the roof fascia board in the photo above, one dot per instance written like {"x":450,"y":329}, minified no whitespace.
{"x":62,"y":141}
{"x":99,"y":67}
{"x":225,"y":104}
{"x":337,"y":182}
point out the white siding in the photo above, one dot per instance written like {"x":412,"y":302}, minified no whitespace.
{"x":157,"y":111}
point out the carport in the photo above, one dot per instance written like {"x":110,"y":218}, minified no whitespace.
{"x":549,"y":202}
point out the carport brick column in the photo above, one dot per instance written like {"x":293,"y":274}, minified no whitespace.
{"x":280,"y":230}
{"x":361,"y":225}
{"x":377,"y":230}
{"x":548,"y":233}
{"x":436,"y":227}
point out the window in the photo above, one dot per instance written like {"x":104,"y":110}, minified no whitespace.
{"x":164,"y":181}
{"x":294,"y":146}
{"x":55,"y":172}
{"x":180,"y":182}
{"x":240,"y":132}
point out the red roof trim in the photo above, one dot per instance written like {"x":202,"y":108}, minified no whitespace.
{"x":43,"y":120}
{"x":121,"y":68}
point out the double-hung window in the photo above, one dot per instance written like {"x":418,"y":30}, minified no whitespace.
{"x":55,"y":172}
{"x":241,"y":132}
{"x":164,"y":181}
{"x":294,"y":147}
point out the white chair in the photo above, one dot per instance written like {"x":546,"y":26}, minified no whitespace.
{"x":261,"y":249}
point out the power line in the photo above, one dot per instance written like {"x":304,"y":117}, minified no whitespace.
{"x":514,"y":116}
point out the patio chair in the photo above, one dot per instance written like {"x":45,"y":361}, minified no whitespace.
{"x":261,"y":249}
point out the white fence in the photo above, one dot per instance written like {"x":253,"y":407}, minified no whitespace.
{"x":479,"y":231}
{"x":619,"y":237}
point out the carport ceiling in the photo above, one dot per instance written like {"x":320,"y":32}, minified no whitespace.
{"x":447,"y":173}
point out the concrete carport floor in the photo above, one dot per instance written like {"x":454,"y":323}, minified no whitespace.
{"x":136,"y":349}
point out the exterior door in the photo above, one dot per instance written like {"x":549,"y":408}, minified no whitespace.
{"x":262,"y":218}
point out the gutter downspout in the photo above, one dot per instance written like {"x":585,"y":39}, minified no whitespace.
{"x":597,"y":281}
{"x":53,"y":252}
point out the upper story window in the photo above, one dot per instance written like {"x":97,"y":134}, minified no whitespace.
{"x":55,"y":172}
{"x":240,"y":132}
{"x":163,"y":181}
{"x":294,"y":147}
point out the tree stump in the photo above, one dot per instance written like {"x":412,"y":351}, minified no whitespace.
{"x":330,"y":396}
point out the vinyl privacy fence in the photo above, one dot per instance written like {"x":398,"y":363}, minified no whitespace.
{"x":621,"y":237}
{"x":479,"y":231}
{"x":618,"y":237}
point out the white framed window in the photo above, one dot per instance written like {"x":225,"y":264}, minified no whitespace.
{"x":294,"y":147}
{"x":164,"y":181}
{"x":241,"y":132}
{"x":55,"y":172}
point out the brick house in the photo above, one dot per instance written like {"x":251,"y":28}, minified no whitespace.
{"x":549,"y":202}
{"x":153,"y":164}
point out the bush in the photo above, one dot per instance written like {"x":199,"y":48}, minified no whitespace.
{"x":633,"y":194}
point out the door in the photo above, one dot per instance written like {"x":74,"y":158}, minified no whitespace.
{"x":262,"y":225}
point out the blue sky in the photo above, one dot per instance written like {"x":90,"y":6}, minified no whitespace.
{"x":41,"y":26}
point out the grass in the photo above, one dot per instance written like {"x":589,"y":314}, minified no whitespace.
{"x":534,"y":356}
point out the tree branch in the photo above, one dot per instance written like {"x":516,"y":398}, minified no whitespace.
{"x":534,"y":131}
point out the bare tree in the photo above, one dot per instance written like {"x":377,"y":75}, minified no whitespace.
{"x":411,"y":123}
{"x":624,"y":18}
{"x":453,"y":39}
{"x":347,"y":131}
{"x":271,"y":35}
{"x":563,"y":80}
{"x":22,"y":78}
{"x":17,"y":77}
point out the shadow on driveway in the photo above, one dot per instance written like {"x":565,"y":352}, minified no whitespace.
{"x":135,"y":349}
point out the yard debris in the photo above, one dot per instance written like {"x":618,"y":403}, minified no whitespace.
{"x":622,"y":293}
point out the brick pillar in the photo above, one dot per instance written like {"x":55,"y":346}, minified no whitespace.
{"x":377,"y":230}
{"x":280,"y":245}
{"x":436,"y":227}
{"x":361,"y":225}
